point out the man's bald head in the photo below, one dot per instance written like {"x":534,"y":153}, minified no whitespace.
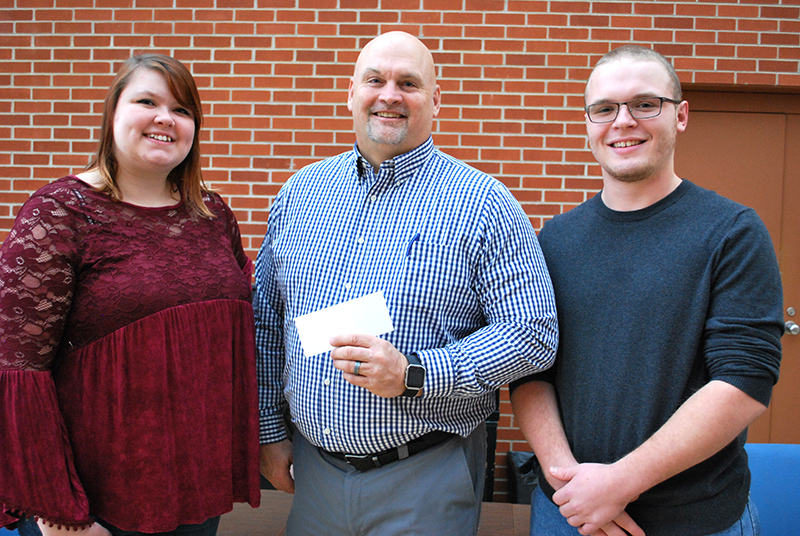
{"x":393,"y":96}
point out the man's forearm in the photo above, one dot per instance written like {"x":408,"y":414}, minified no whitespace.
{"x":702,"y":426}
{"x":709,"y":420}
{"x":536,"y":412}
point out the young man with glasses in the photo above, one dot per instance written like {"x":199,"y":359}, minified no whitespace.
{"x":669,"y":303}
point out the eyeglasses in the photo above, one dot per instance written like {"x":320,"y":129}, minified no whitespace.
{"x":645,"y":108}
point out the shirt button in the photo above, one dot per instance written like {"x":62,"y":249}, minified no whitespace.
{"x":347,"y":286}
{"x":360,"y":240}
{"x":327,"y":431}
{"x":327,"y":382}
{"x":373,"y":198}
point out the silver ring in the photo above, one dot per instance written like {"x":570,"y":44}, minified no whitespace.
{"x":357,"y":368}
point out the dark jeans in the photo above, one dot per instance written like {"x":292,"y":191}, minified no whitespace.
{"x":28,"y":527}
{"x":546,"y":520}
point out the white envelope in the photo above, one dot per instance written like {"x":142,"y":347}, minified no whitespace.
{"x":366,"y":315}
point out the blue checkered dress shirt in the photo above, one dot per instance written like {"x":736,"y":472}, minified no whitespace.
{"x":463,"y":277}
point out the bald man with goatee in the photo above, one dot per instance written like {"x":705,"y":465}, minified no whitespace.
{"x":384,"y":434}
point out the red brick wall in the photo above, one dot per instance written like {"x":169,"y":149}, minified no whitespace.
{"x":273,"y":75}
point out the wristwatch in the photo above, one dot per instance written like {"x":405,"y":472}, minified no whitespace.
{"x":415,"y":376}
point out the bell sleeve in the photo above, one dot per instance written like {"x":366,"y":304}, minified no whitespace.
{"x":37,"y":278}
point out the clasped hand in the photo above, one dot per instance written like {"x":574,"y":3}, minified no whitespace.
{"x":594,"y":500}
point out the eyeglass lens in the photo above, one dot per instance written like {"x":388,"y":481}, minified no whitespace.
{"x":639,"y":109}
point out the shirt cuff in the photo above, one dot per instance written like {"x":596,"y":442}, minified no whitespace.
{"x":271,"y":429}
{"x":439,"y":373}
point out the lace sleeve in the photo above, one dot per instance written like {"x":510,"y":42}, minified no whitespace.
{"x":37,"y":281}
{"x":245,"y":263}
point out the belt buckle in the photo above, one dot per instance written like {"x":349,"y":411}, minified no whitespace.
{"x":362,"y":462}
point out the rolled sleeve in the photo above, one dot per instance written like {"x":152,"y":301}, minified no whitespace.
{"x":745,"y":321}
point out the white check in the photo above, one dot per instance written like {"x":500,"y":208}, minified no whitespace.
{"x":366,"y":315}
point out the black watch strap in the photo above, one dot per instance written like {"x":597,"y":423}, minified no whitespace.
{"x":415,"y":376}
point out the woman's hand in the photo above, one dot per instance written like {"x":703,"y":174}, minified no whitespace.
{"x":95,"y":530}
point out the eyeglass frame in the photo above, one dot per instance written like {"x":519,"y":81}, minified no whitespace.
{"x":619,"y":107}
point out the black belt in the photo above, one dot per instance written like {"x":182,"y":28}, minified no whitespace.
{"x":365,"y":462}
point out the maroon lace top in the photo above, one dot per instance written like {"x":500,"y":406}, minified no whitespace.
{"x":127,"y":363}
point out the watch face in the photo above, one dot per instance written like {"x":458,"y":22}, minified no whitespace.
{"x":415,"y":377}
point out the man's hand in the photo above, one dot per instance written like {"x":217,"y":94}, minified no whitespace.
{"x":536,"y":410}
{"x":382,"y":368}
{"x":710,"y":419}
{"x":594,"y":500}
{"x":276,"y":463}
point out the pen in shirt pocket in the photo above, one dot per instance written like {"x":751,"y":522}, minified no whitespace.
{"x":411,"y":244}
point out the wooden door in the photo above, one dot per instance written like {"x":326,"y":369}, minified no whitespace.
{"x":746,"y":147}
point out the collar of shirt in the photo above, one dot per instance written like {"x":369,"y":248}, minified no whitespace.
{"x":397,"y":170}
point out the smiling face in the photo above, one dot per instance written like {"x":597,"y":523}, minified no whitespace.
{"x":632,"y":150}
{"x":153,"y":132}
{"x":393,"y":96}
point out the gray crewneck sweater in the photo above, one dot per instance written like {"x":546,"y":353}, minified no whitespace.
{"x":652,"y":305}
